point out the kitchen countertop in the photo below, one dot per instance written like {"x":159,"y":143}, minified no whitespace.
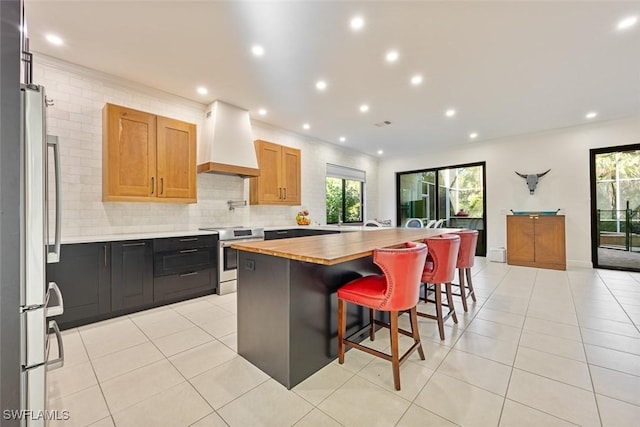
{"x":134,"y":236}
{"x":163,"y":234}
{"x":336,"y":248}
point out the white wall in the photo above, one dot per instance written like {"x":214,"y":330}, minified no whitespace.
{"x":76,"y":118}
{"x":565,"y":152}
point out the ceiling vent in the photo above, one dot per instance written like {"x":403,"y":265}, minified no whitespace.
{"x":382,"y":124}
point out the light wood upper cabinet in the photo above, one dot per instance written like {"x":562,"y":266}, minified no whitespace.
{"x":147,"y":157}
{"x":536,"y":241}
{"x":279,"y":180}
{"x":176,"y":152}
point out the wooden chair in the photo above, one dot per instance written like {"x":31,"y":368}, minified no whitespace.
{"x":397,"y":290}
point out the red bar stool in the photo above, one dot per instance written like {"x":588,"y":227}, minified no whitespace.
{"x":439,"y":268}
{"x":466,"y":258}
{"x":397,"y":290}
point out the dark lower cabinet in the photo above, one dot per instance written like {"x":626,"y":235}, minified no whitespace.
{"x":295,"y":232}
{"x":178,"y":286}
{"x":131,"y":274}
{"x":84,"y":278}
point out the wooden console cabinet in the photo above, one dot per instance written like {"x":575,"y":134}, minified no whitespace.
{"x":279,"y":180}
{"x":147,"y":158}
{"x":536,"y":241}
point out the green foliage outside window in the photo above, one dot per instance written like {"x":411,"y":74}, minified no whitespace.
{"x":344,"y":199}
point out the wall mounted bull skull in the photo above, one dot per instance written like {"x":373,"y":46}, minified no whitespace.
{"x":532,"y":179}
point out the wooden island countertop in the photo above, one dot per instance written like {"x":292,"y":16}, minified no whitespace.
{"x":337,"y":248}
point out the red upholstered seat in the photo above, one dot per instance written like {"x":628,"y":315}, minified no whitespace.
{"x":440,"y":268}
{"x":466,"y":258}
{"x":396,"y":290}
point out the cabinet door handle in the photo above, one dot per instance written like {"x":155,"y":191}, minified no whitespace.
{"x":285,"y":193}
{"x":191,"y":239}
{"x":279,"y":192}
{"x":188,"y":251}
{"x":161,"y":185}
{"x":127,"y":245}
{"x":282,"y":232}
{"x":153,"y":184}
{"x":188,"y":274}
{"x":104,"y":248}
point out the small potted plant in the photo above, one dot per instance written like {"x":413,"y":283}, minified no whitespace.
{"x":303,"y":218}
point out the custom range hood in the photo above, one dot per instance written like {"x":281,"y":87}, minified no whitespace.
{"x":226,"y":145}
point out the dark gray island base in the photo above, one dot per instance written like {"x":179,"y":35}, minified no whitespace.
{"x":287,"y":313}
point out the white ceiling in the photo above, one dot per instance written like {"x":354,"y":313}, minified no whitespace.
{"x":506,"y":67}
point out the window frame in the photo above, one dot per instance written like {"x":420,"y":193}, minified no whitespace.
{"x":342,"y":217}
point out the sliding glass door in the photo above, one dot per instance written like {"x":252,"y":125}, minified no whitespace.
{"x":454,"y":194}
{"x":615,"y":207}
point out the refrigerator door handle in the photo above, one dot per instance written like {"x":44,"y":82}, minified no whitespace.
{"x":58,"y":309}
{"x":54,"y":255}
{"x":59,"y":362}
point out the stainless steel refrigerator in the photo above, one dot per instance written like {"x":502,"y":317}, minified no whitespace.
{"x":40,"y":301}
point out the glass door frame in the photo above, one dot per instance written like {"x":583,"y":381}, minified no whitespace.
{"x":436,"y":170}
{"x":594,"y":203}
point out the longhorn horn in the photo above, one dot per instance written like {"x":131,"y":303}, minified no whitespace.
{"x":543,"y":173}
{"x":522,"y":175}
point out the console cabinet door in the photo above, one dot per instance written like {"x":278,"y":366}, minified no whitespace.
{"x":83,"y":276}
{"x":520,"y":240}
{"x":131,"y":274}
{"x":550,"y":243}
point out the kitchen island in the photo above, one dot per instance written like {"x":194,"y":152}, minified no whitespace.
{"x":287,"y":303}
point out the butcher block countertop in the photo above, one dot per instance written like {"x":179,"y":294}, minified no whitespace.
{"x":336,"y":248}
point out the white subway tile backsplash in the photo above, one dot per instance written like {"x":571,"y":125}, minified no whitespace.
{"x":76,"y":118}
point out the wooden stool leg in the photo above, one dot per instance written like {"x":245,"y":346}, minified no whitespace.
{"x":342,"y":325}
{"x":372,"y":325}
{"x":395,"y":359}
{"x":414,"y":330}
{"x":463,"y":290}
{"x":452,"y":308}
{"x":438,"y":300}
{"x":470,"y":283}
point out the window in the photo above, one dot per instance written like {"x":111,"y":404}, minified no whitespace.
{"x":344,"y":190}
{"x":455,"y":194}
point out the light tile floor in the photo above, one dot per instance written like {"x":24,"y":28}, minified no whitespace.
{"x":539,"y":348}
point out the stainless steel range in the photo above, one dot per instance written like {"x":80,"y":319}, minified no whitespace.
{"x":228,"y":257}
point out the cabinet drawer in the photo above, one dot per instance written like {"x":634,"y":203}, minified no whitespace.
{"x":183,"y":261}
{"x":280,"y":234}
{"x":177,"y":286}
{"x":186,"y":242}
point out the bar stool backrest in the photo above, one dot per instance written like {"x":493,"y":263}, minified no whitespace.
{"x":440,"y":266}
{"x":467,"y":252}
{"x":402,"y":269}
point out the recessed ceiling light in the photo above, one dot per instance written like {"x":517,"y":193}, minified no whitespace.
{"x":262,"y":112}
{"x":450,"y":112}
{"x":392,"y":56}
{"x":380,"y":152}
{"x":306,"y":126}
{"x":321,"y":85}
{"x":257,"y":50}
{"x":343,"y":139}
{"x":53,"y":39}
{"x":202,"y":90}
{"x":473,"y":135}
{"x":356,"y":23}
{"x":627,"y":22}
{"x":416,"y":80}
{"x":591,"y":115}
{"x":364,"y":108}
